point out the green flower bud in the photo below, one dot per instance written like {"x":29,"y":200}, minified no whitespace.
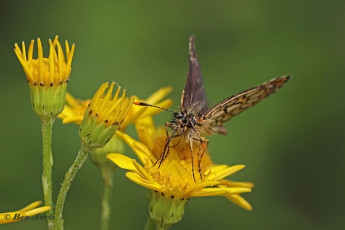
{"x":166,"y":211}
{"x":103,"y":116}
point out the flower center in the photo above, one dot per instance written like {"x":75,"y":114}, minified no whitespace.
{"x":176,"y":171}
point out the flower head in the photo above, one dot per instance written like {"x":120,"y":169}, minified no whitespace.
{"x":75,"y":108}
{"x":24,"y":213}
{"x":174,"y":178}
{"x":104,"y":115}
{"x":47,"y":77}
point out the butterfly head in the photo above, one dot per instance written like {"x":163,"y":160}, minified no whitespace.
{"x":182,"y":121}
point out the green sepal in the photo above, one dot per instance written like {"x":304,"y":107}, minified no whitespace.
{"x":166,"y":211}
{"x":48,"y":101}
{"x":95,"y":133}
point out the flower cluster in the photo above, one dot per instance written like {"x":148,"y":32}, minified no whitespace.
{"x":172,"y":181}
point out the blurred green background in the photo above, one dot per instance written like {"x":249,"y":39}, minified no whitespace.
{"x":292,"y":143}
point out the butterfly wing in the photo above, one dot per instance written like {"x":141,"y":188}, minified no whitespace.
{"x":194,"y":96}
{"x":213,"y":120}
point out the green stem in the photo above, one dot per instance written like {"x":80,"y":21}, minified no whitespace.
{"x":107,"y":175}
{"x":47,"y":125}
{"x":66,"y":184}
{"x":150,"y":224}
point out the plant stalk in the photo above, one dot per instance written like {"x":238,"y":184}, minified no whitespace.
{"x":47,"y":125}
{"x":66,"y":184}
{"x":107,"y":176}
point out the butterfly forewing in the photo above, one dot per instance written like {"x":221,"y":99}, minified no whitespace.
{"x":213,"y":120}
{"x":193,"y":96}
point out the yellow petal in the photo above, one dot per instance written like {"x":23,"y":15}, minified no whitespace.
{"x":145,"y":136}
{"x":216,"y":168}
{"x":122,"y":161}
{"x":202,"y":185}
{"x":70,"y":100}
{"x":237,"y":184}
{"x":31,"y":50}
{"x":134,"y":114}
{"x":239,"y":190}
{"x":219,"y":191}
{"x":146,"y":130}
{"x":146,"y":123}
{"x":211,"y":192}
{"x":143,"y":152}
{"x":75,"y":119}
{"x":159,"y":95}
{"x":31,"y":206}
{"x":240,"y":201}
{"x":141,"y":181}
{"x":139,"y":149}
{"x":37,"y":211}
{"x":142,"y":171}
{"x":70,"y":56}
{"x":125,"y":137}
{"x":224,"y":172}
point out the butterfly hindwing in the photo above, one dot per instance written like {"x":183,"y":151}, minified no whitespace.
{"x":194,"y":96}
{"x":213,"y":120}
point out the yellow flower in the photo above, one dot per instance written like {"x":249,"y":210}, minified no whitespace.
{"x":75,"y":108}
{"x":174,"y":178}
{"x":104,"y":115}
{"x":54,"y":70}
{"x":24,"y":213}
{"x":47,"y":77}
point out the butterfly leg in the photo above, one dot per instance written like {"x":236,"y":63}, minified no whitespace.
{"x":166,"y":129}
{"x":204,"y":144}
{"x":167,"y":124}
{"x":167,"y":140}
{"x":178,"y":142}
{"x":191,"y":155}
{"x":202,"y":154}
{"x":165,"y":152}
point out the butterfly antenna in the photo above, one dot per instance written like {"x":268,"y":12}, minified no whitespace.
{"x":155,"y":106}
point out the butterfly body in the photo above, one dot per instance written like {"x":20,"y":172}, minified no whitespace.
{"x":183,"y":121}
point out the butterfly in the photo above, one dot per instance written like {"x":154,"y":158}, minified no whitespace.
{"x":195,"y":119}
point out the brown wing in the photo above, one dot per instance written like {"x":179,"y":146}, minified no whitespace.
{"x":213,"y":120}
{"x":193,"y":96}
